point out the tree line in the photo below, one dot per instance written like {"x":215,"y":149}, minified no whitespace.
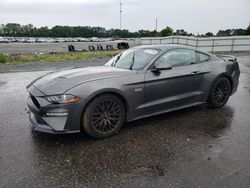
{"x":18,"y":30}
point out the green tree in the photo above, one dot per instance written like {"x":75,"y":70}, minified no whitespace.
{"x":228,"y":32}
{"x":181,"y":32}
{"x":248,"y":30}
{"x":17,"y":30}
{"x":144,"y":33}
{"x":240,"y":32}
{"x":167,"y":31}
{"x":11,"y":29}
{"x":209,"y":34}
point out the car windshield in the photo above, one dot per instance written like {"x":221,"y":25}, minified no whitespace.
{"x":133,"y":59}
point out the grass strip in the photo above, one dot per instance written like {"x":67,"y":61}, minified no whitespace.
{"x":56,"y":57}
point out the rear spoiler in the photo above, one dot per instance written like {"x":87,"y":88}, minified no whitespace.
{"x":227,"y":57}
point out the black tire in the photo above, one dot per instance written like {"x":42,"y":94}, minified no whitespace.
{"x":220,"y":93}
{"x":104,"y":116}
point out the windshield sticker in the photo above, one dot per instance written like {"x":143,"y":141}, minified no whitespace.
{"x":153,"y":52}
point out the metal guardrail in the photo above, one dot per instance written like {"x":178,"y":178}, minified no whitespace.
{"x":211,"y":44}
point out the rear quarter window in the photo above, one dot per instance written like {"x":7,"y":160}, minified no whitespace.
{"x":203,"y":57}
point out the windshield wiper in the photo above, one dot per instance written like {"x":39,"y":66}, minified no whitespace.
{"x":117,"y":59}
{"x":133,"y":62}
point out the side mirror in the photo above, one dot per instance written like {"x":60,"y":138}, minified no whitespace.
{"x":162,"y":66}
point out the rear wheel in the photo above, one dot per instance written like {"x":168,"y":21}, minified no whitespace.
{"x":104,"y":116}
{"x":220,"y":92}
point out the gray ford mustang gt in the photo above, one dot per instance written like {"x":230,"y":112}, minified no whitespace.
{"x":137,"y":83}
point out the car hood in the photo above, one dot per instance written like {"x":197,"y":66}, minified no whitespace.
{"x":61,"y":81}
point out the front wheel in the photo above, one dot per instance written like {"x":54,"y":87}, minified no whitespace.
{"x":220,"y":93}
{"x":104,"y":116}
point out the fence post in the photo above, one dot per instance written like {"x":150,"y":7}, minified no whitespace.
{"x":172,"y":40}
{"x":213,"y":45}
{"x":197,"y":40}
{"x":232,"y":48}
{"x":177,"y":40}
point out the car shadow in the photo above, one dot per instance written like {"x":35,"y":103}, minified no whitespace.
{"x":210,"y":121}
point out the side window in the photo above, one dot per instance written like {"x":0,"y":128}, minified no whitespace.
{"x":202,"y":57}
{"x":177,"y":57}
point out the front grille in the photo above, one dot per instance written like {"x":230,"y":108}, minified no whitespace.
{"x":36,"y":103}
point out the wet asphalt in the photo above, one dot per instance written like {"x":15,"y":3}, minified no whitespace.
{"x":195,"y":147}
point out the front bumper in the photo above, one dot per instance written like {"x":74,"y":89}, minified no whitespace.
{"x":67,"y":121}
{"x":41,"y":127}
{"x":46,"y":128}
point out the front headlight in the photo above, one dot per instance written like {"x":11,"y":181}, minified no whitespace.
{"x":62,"y":99}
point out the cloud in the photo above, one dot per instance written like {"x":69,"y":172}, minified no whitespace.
{"x":192,"y":15}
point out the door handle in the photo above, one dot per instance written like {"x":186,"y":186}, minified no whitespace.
{"x":196,"y":72}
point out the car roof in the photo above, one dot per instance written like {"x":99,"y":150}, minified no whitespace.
{"x":164,"y":46}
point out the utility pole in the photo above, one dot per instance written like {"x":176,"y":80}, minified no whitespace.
{"x":120,"y":14}
{"x":156,"y":24}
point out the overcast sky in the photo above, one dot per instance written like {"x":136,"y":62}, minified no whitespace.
{"x":192,"y":15}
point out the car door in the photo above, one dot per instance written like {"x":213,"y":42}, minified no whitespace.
{"x":180,"y":86}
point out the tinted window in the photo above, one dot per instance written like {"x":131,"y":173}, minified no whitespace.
{"x":203,"y":57}
{"x":177,"y":57}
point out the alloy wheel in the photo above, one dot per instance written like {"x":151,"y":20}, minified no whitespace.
{"x":106,"y":116}
{"x":222,"y":92}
